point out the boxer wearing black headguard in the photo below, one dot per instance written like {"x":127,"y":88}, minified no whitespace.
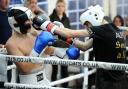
{"x":21,"y":44}
{"x":23,"y":41}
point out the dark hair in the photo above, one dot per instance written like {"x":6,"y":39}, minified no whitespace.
{"x":108,"y":19}
{"x":62,"y":1}
{"x":121,"y":19}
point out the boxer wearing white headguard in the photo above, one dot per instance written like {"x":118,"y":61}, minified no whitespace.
{"x":107,"y":40}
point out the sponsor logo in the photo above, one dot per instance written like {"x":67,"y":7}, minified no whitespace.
{"x":40,"y":77}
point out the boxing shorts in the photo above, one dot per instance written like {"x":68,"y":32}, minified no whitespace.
{"x":38,"y":78}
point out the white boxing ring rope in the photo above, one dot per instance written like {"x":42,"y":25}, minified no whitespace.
{"x":50,"y":60}
{"x":70,"y":78}
{"x":113,"y":66}
{"x":3,"y":51}
{"x":29,"y":86}
{"x":123,"y":27}
{"x":11,"y":67}
{"x":25,"y":86}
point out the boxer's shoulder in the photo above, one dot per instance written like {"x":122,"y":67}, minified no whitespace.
{"x":34,"y":32}
{"x":10,"y":47}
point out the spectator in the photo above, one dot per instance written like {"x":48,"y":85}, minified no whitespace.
{"x":32,"y":5}
{"x":118,"y":21}
{"x":60,"y":15}
{"x":5,"y":31}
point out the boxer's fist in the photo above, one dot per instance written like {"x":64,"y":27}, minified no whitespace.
{"x":67,"y":40}
{"x":44,"y":23}
{"x":42,"y":40}
{"x":73,"y":52}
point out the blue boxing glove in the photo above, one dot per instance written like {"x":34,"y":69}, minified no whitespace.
{"x":64,"y":53}
{"x":42,"y":40}
{"x":73,"y":52}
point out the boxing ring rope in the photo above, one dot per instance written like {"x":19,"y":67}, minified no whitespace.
{"x":113,"y":66}
{"x":56,"y":61}
{"x":29,"y":86}
{"x":70,"y":78}
{"x":25,"y":86}
{"x":123,"y":27}
{"x":3,"y":51}
{"x":11,"y":67}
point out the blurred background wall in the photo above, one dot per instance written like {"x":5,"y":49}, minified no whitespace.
{"x":76,"y":7}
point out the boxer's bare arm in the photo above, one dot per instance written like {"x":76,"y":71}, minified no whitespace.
{"x":83,"y":45}
{"x":54,"y":51}
{"x":65,"y":32}
{"x":79,"y":44}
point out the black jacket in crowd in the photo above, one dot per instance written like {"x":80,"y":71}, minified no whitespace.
{"x":65,"y":21}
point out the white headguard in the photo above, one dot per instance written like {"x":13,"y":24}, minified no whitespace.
{"x":94,"y":15}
